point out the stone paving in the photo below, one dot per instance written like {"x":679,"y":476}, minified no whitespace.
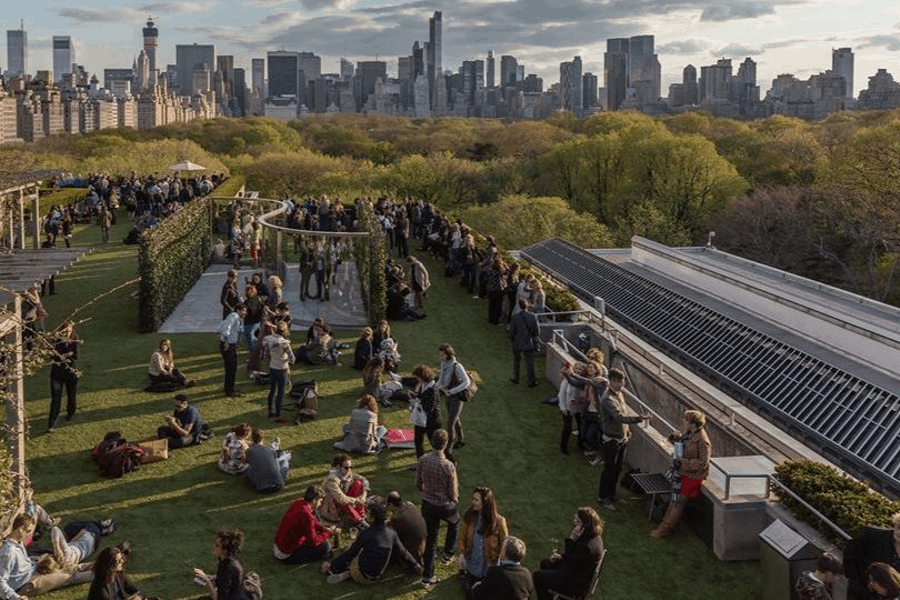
{"x":200,"y":311}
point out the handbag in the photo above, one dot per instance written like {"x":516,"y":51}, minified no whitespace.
{"x":417,"y":415}
{"x":468,"y":393}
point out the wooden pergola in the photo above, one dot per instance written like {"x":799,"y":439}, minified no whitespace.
{"x":19,"y":270}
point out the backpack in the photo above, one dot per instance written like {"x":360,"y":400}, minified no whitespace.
{"x":116,"y":456}
{"x":252,"y":586}
{"x":306,"y":393}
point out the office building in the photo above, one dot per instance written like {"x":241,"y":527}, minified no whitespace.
{"x":311,"y":65}
{"x":113,"y":77}
{"x":640,"y":49}
{"x":17,"y":51}
{"x":490,"y":70}
{"x":433,"y":51}
{"x":151,"y":43}
{"x":590,"y":85}
{"x":346,"y":70}
{"x":225,"y":66}
{"x":283,"y":74}
{"x":689,"y":83}
{"x":571,"y":96}
{"x":616,"y":78}
{"x":367,"y":73}
{"x":240,"y":92}
{"x":842,"y":66}
{"x":509,"y":66}
{"x":199,"y":58}
{"x":63,"y":56}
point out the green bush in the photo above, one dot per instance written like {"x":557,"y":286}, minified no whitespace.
{"x":171,"y":258}
{"x":230,"y":186}
{"x":371,"y":256}
{"x":845,"y":501}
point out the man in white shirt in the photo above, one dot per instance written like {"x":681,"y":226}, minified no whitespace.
{"x":229,"y":331}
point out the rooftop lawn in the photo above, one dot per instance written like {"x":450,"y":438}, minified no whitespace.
{"x":171,"y":510}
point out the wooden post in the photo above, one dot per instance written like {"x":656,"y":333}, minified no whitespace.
{"x":21,"y":214}
{"x":15,"y":407}
{"x":36,"y":219}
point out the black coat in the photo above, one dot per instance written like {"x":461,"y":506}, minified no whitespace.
{"x":504,"y":582}
{"x":872,"y":544}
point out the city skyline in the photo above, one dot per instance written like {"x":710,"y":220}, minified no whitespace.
{"x":782,"y":36}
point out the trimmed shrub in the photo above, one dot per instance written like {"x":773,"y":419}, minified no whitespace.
{"x":171,"y":258}
{"x":845,"y":501}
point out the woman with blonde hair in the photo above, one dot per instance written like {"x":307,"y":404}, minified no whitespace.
{"x":362,"y":433}
{"x":691,"y":462}
{"x":162,"y":367}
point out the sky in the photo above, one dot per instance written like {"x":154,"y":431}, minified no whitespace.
{"x":782,"y":36}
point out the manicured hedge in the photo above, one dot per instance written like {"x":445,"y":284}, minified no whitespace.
{"x":371,"y":257}
{"x":845,"y":501}
{"x":171,"y":258}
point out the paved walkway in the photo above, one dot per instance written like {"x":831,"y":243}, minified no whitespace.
{"x":200,"y":311}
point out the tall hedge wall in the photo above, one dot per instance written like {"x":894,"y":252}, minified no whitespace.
{"x":171,"y":258}
{"x":371,"y":257}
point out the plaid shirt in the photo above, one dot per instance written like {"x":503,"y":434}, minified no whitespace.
{"x":436,"y":479}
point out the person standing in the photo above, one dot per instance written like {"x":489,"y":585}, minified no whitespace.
{"x":427,"y":394}
{"x":281,"y":357}
{"x":484,"y":530}
{"x":437,"y":482}
{"x":614,"y":423}
{"x":418,"y":275}
{"x":230,"y":297}
{"x":105,"y":220}
{"x":64,"y":373}
{"x":452,"y":382}
{"x":692,"y":455}
{"x":523,"y":331}
{"x":229,"y":331}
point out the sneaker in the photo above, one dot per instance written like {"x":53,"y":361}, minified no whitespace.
{"x":108,"y":526}
{"x":446,"y":559}
{"x":427,"y":582}
{"x":533,"y":384}
{"x":596,"y":462}
{"x":339,"y":577}
{"x":513,"y":380}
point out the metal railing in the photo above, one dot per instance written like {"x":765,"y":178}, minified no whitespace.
{"x":771,"y":479}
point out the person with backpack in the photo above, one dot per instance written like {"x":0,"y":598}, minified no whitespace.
{"x":183,"y":427}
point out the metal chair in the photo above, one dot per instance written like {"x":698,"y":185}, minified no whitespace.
{"x":595,"y":582}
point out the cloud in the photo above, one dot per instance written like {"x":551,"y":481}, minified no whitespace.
{"x":92,"y":16}
{"x":178,"y":7}
{"x":890,"y":42}
{"x":689,"y":46}
{"x":737,"y":50}
{"x":732,"y":11}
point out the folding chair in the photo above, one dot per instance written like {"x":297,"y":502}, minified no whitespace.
{"x":595,"y":581}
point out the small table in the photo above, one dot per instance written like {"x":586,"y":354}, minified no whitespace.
{"x":653,"y":484}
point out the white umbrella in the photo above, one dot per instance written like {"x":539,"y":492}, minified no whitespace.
{"x":186,"y":165}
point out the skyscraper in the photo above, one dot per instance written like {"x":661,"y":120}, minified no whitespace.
{"x":435,"y":25}
{"x":311,"y":65}
{"x":689,"y":81}
{"x":17,"y":50}
{"x":63,"y":56}
{"x":151,"y":43}
{"x":842,"y":66}
{"x":191,"y":58}
{"x":225,"y":66}
{"x":571,"y":96}
{"x":346,"y":70}
{"x":258,"y":77}
{"x":490,"y":70}
{"x":589,"y":88}
{"x":508,"y":68}
{"x":640,"y":48}
{"x":615,"y":71}
{"x":284,"y":73}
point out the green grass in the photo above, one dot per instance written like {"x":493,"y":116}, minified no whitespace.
{"x":171,"y":510}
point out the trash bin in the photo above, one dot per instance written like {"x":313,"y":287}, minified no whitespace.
{"x":784,"y":554}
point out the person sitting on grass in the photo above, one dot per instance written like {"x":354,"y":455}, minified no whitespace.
{"x":23,"y":575}
{"x":267,"y":465}
{"x":363,"y":434}
{"x":345,"y":493}
{"x":110,"y":581}
{"x":233,"y":458}
{"x":183,"y":426}
{"x":371,"y":553}
{"x":162,"y":367}
{"x":227,"y":584}
{"x":300,"y":537}
{"x":408,"y":522}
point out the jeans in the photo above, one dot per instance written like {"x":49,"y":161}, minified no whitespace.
{"x":308,"y":554}
{"x":433,"y":516}
{"x":613,"y":457}
{"x":69,"y":381}
{"x":175,"y":440}
{"x":249,"y":328}
{"x":284,"y":464}
{"x":421,"y":433}
{"x":84,"y":539}
{"x":589,"y":433}
{"x":454,"y":424}
{"x":229,"y":356}
{"x":529,"y":364}
{"x":279,"y":380}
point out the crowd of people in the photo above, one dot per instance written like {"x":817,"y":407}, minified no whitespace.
{"x":355,"y":533}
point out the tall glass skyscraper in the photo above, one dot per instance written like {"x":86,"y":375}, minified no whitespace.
{"x":63,"y":56}
{"x":17,"y":50}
